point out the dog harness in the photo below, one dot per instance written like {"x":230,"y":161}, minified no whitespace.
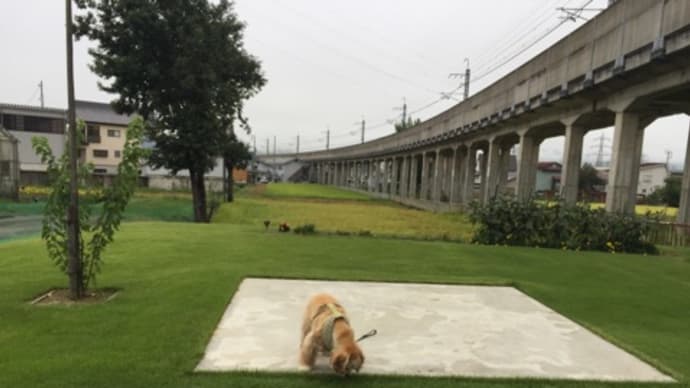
{"x":327,"y":332}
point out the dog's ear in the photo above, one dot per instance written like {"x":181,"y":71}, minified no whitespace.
{"x":339,"y":362}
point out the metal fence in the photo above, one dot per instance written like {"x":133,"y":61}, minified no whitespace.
{"x":9,"y":166}
{"x":669,"y":233}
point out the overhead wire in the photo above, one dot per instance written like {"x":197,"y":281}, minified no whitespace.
{"x":517,"y":34}
{"x":444,"y":96}
{"x":356,"y":59}
{"x":524,"y":48}
{"x":361,"y":42}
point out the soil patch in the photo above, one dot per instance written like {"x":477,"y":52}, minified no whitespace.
{"x":61,"y":296}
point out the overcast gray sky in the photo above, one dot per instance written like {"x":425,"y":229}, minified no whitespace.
{"x":331,"y":63}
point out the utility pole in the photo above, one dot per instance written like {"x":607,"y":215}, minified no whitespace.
{"x":40,"y":87}
{"x":363,"y":126}
{"x":404,"y":109}
{"x":268,"y":152}
{"x":328,"y":139}
{"x":297,"y":145}
{"x":599,"y":162}
{"x":669,"y":154}
{"x":465,"y":80}
{"x":403,"y":124}
{"x":254,"y":142}
{"x":76,"y":282}
{"x":274,"y":156}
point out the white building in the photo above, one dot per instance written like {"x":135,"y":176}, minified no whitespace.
{"x":652,"y":177}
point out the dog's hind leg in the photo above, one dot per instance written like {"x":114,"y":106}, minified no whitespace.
{"x":307,"y":352}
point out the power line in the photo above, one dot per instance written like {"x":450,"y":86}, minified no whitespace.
{"x":356,"y":59}
{"x":482,"y":61}
{"x":446,"y":96}
{"x":525,"y":48}
{"x":361,"y":42}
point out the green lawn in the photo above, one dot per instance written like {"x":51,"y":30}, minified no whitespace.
{"x":177,"y":279}
{"x":142,"y":207}
{"x":305,"y":190}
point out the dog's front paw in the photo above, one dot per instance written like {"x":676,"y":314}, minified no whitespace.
{"x":303,"y":368}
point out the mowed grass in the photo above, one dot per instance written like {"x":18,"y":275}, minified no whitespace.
{"x":306,"y":190}
{"x":177,"y":280}
{"x":333,"y":215}
{"x":144,"y":206}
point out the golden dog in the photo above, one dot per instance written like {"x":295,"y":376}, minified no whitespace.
{"x":326,"y":329}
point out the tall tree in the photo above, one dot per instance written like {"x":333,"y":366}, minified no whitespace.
{"x":589,"y":179}
{"x":236,"y":155}
{"x":409,"y":123}
{"x":181,"y":64}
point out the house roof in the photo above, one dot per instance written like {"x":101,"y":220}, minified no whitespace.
{"x":549,"y":166}
{"x":99,"y":112}
{"x":28,"y":109}
{"x":652,"y":165}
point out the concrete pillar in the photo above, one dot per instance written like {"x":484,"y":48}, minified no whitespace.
{"x":457,"y":175}
{"x":437,"y":177}
{"x":684,"y":208}
{"x":372,"y":179}
{"x":395,"y":180}
{"x":621,"y":192}
{"x":504,"y":167}
{"x":483,"y":174}
{"x":527,"y":166}
{"x":469,"y":169}
{"x":348,"y":174}
{"x":404,"y":176}
{"x":386,"y":176}
{"x":424,"y":177}
{"x":412,"y":193}
{"x":450,"y":163}
{"x":493,"y":171}
{"x":380,"y":177}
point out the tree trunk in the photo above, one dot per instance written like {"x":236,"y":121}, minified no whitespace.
{"x":75,"y":268}
{"x":198,"y":196}
{"x":230,"y":193}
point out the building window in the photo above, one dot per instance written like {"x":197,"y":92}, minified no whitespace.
{"x":99,"y":171}
{"x":5,"y":168}
{"x":100,"y":153}
{"x":9,"y":122}
{"x":43,"y":124}
{"x":93,"y":133}
{"x":117,"y":153}
{"x":113,"y":133}
{"x":33,"y":124}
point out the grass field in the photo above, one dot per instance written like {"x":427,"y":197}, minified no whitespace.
{"x":293,"y":190}
{"x":177,"y":279}
{"x":333,"y":210}
{"x":144,"y":206}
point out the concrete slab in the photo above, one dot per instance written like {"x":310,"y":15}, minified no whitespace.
{"x":433,"y":330}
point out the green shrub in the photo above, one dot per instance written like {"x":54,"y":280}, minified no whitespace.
{"x":507,"y":221}
{"x":365,"y":233}
{"x":306,"y":229}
